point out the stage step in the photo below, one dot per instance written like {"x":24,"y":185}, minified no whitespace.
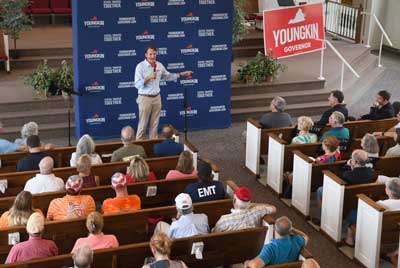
{"x":247,"y":51}
{"x":33,"y":61}
{"x":238,"y":88}
{"x":45,"y":52}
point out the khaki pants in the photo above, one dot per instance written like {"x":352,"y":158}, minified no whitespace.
{"x":149,"y":110}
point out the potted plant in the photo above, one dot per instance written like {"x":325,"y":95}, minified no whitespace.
{"x":41,"y":79}
{"x":239,"y":29}
{"x":13,"y":20}
{"x":65,"y":77}
{"x":261,"y":68}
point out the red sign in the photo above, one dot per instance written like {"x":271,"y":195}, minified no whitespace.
{"x":294,"y":30}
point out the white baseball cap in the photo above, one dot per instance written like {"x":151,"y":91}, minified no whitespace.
{"x":183,"y":201}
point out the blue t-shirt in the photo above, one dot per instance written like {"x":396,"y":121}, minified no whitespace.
{"x":167,"y":148}
{"x":282,"y":250}
{"x":340,"y":133}
{"x":205,"y":191}
{"x":6,"y":146}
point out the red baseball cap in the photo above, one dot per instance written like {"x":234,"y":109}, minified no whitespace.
{"x":118,"y":180}
{"x":243,"y":193}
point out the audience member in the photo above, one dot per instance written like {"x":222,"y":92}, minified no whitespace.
{"x":138,"y":171}
{"x":206,"y":189}
{"x":284,"y":248}
{"x":96,"y":239}
{"x":85,"y":145}
{"x":19,"y":212}
{"x":29,"y":129}
{"x":395,"y":150}
{"x":244,"y":213}
{"x":83,"y":257}
{"x":73,"y":204}
{"x":31,"y":161}
{"x":337,"y":130}
{"x":330,"y":147}
{"x":184,"y":168}
{"x":160,"y":245}
{"x":187,"y":223}
{"x":8,"y":147}
{"x":45,"y":181}
{"x":277,"y":118}
{"x":84,"y":168}
{"x":304,"y":124}
{"x":35,"y":247}
{"x":336,"y":102}
{"x":382,"y":108}
{"x":123,"y":202}
{"x":128,"y":148}
{"x":370,"y":145}
{"x":168,"y":146}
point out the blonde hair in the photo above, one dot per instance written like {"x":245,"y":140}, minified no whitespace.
{"x":94,"y":222}
{"x":185,"y":163}
{"x":138,"y":168}
{"x":161,"y":243}
{"x":84,"y":163}
{"x":21,"y":209}
{"x":304,"y":123}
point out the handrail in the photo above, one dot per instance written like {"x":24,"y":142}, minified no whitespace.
{"x":384,"y":34}
{"x":344,"y":62}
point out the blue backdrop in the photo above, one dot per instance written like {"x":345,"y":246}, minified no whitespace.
{"x":110,"y":37}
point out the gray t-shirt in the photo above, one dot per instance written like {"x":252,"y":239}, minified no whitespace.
{"x":276,"y":120}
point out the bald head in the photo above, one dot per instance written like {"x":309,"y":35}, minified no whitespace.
{"x":46,"y":165}
{"x":359,"y":157}
{"x":127,"y":135}
{"x":83,"y":256}
{"x":283,"y":226}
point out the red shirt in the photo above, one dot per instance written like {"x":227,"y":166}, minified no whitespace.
{"x":151,"y":177}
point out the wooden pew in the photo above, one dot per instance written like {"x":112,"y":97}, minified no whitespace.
{"x":281,"y":158}
{"x":63,"y":154}
{"x":375,"y":226}
{"x":257,"y":138}
{"x":166,"y":191}
{"x":251,"y":242}
{"x":308,"y":176}
{"x":339,"y":199}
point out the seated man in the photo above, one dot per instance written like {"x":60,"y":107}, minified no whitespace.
{"x":72,"y":205}
{"x":187,"y":223}
{"x":35,"y":247}
{"x":31,"y":161}
{"x":8,"y":147}
{"x":336,"y":102}
{"x":244,"y":213}
{"x":83,"y":257}
{"x":395,"y":150}
{"x":122,"y":202}
{"x":206,"y":189}
{"x":285,"y":247}
{"x":337,"y":130}
{"x":359,"y":173}
{"x":277,"y":118}
{"x":129,"y":149}
{"x":382,"y":108}
{"x":168,"y":146}
{"x":46,"y":181}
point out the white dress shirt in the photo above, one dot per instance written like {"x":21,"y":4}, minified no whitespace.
{"x":189,"y":225}
{"x":44,"y":183}
{"x":152,"y":87}
{"x":390,"y":204}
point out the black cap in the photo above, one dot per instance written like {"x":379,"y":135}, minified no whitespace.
{"x":204,"y":170}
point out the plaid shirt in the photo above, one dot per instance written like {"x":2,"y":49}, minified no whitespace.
{"x":242,"y":218}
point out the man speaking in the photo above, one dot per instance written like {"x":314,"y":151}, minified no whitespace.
{"x":148,"y":74}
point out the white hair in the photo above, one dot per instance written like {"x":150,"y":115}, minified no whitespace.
{"x":83,"y":256}
{"x":241,"y":204}
{"x":29,"y":129}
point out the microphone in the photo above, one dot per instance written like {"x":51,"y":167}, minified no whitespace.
{"x":154,"y":65}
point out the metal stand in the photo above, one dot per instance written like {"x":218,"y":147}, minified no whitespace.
{"x":70,"y":92}
{"x":185,"y":107}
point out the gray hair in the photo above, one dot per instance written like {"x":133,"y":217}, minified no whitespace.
{"x":83,"y":256}
{"x":29,"y":129}
{"x":241,"y":204}
{"x":393,"y":185}
{"x":127,"y":139}
{"x":360,"y":157}
{"x":283,"y":226}
{"x":338,"y":117}
{"x":370,"y":144}
{"x":85,"y":145}
{"x":279,"y":103}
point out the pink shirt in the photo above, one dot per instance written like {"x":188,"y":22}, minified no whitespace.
{"x":34,"y":248}
{"x":97,"y":241}
{"x":175,"y":174}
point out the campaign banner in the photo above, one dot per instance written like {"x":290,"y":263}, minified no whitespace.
{"x":294,"y":30}
{"x":110,"y":38}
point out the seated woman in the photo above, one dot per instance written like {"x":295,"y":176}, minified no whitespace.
{"x":160,"y":245}
{"x":184,"y":168}
{"x":304,"y":124}
{"x":29,"y":129}
{"x":85,"y":145}
{"x":84,"y":167}
{"x":330,"y":146}
{"x":138,"y":170}
{"x":96,"y":239}
{"x":370,"y":144}
{"x":20,"y":211}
